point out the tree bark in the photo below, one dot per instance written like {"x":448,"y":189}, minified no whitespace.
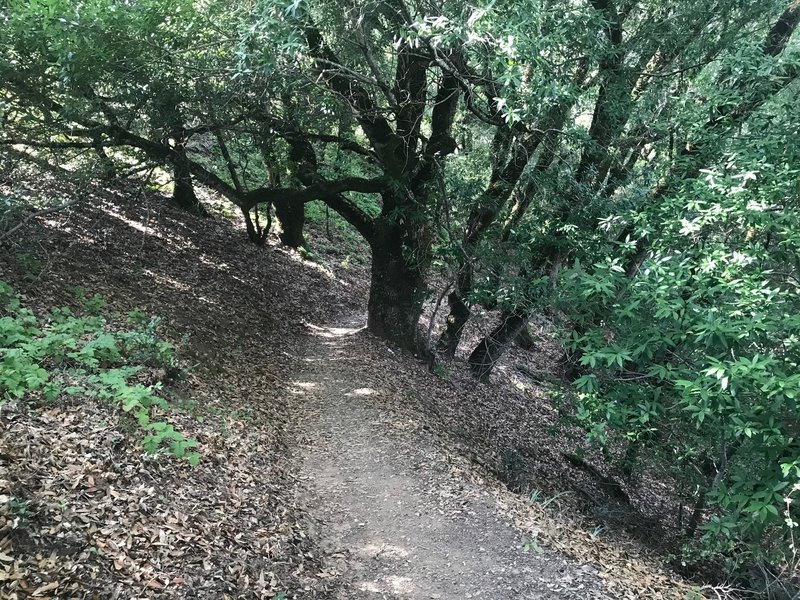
{"x":402,"y":234}
{"x":396,"y":292}
{"x":485,"y":354}
{"x":183,"y":194}
{"x":107,"y":165}
{"x":292,"y":217}
{"x":455,"y":323}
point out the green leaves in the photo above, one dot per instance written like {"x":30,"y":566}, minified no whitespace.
{"x":93,"y":359}
{"x":164,"y":433}
{"x":700,"y":348}
{"x":19,"y":374}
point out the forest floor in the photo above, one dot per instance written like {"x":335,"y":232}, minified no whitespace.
{"x":332,"y":466}
{"x":394,"y":505}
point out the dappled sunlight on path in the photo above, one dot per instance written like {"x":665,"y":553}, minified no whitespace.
{"x":394,"y":516}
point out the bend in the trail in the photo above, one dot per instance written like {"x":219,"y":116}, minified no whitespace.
{"x":395,"y":516}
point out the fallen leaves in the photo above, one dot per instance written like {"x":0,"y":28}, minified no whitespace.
{"x":82,"y":515}
{"x":481,"y":422}
{"x":84,"y":512}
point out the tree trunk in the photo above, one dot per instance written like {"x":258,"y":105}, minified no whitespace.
{"x":525,"y":340}
{"x":697,"y":513}
{"x":395,"y":295}
{"x":183,"y":194}
{"x":107,"y":165}
{"x":292,"y":217}
{"x":456,"y":320}
{"x":491,"y":348}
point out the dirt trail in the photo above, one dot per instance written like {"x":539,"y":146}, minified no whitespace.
{"x":394,"y":516}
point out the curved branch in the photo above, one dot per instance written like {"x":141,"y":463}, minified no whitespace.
{"x":318,"y":190}
{"x":46,"y":144}
{"x":353,"y":214}
{"x":343,"y":143}
{"x":375,"y":127}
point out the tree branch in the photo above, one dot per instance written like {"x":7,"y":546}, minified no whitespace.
{"x":376,"y":128}
{"x":319,"y":190}
{"x":46,"y":144}
{"x":38,"y":213}
{"x":353,"y":214}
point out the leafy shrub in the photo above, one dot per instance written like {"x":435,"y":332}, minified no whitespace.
{"x":344,"y":240}
{"x":692,"y":364}
{"x":72,"y":355}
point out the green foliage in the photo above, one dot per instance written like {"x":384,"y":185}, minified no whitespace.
{"x":536,"y":497}
{"x":335,"y":236}
{"x":30,"y":265}
{"x":695,"y":360}
{"x":440,"y":370}
{"x":93,"y":305}
{"x":163,"y":433}
{"x":532,"y":545}
{"x":72,"y":355}
{"x":19,"y":507}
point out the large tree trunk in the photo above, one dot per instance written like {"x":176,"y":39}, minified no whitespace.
{"x":292,"y":217}
{"x":396,"y":293}
{"x":183,"y":194}
{"x":491,"y":348}
{"x":459,"y":312}
{"x":401,"y":236}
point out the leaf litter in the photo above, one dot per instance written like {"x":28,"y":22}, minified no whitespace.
{"x":85,"y":513}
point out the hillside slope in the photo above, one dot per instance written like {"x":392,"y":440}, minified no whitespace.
{"x":273,"y":507}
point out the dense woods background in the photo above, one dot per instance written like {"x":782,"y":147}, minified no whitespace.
{"x":623,"y":170}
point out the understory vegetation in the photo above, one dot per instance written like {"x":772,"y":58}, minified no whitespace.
{"x":625,"y":171}
{"x":85,"y":356}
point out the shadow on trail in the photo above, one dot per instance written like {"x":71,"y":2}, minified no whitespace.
{"x":396,"y":516}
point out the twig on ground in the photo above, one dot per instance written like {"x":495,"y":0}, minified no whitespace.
{"x":38,"y":213}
